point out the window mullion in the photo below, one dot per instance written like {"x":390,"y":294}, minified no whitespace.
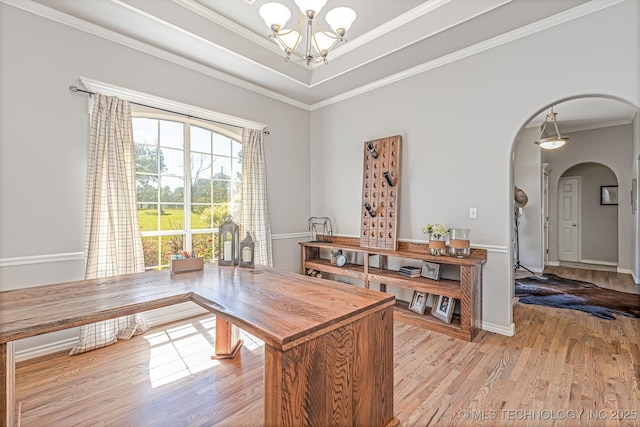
{"x":188,"y":240}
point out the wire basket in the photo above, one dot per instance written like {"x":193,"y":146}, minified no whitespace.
{"x":321,"y":229}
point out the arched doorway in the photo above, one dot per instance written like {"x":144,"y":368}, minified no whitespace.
{"x":587,"y":224}
{"x":538,"y":172}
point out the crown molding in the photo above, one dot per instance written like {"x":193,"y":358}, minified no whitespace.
{"x":423,"y":8}
{"x":380,"y":31}
{"x":230,"y":25}
{"x":597,"y":126}
{"x":207,"y":41}
{"x":387,"y":27}
{"x":544,"y":24}
{"x":559,"y":19}
{"x":87,"y":27}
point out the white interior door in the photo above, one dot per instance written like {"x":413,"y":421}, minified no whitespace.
{"x":568,"y":219}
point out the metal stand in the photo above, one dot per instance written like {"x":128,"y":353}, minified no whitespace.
{"x":517,"y":243}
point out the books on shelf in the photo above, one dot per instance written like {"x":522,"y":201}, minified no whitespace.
{"x":410,"y":271}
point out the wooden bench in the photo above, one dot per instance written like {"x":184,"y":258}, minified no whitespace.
{"x":315,"y":332}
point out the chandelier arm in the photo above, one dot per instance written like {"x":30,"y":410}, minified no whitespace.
{"x":287,"y":50}
{"x":277,"y":35}
{"x":543,"y":128}
{"x":328,"y":33}
{"x":556,"y":125}
{"x":295,"y":27}
{"x":327,"y":50}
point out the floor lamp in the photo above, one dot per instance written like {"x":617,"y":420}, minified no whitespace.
{"x":520,"y":199}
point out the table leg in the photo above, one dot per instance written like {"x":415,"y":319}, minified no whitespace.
{"x":228,"y":340}
{"x":7,"y":384}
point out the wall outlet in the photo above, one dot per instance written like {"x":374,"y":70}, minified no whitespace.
{"x":473,"y":213}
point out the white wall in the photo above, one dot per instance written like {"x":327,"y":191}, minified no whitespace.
{"x":44,"y":132}
{"x":587,"y":147}
{"x":635,"y":229}
{"x":459,"y":123}
{"x":527,"y":175}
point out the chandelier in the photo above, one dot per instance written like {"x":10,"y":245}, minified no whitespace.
{"x":552,"y":142}
{"x":276,"y":15}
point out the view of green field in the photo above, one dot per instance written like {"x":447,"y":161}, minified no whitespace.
{"x":170,"y":219}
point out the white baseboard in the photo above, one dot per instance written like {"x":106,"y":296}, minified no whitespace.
{"x":595,"y":262}
{"x":624,"y":271}
{"x":534,"y":269}
{"x":43,"y":350}
{"x":69,"y":343}
{"x":498,"y":329}
{"x":554,"y":263}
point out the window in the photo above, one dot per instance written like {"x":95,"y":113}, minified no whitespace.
{"x":188,"y":178}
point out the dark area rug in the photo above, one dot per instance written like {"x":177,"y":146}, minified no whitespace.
{"x":555,"y":291}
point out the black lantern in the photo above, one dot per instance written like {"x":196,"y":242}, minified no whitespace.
{"x":247,"y":251}
{"x":228,"y":242}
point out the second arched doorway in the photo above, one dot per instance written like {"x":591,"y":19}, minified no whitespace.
{"x":587,"y":226}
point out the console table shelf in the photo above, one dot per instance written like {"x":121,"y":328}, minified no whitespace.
{"x":350,"y":270}
{"x":427,"y":321}
{"x":468,"y":290}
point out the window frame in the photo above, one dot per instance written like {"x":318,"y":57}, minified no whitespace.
{"x":231,"y":132}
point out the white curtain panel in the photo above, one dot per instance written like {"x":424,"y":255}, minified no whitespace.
{"x":255,"y":208}
{"x":113,"y":244}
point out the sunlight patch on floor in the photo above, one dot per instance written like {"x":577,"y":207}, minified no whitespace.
{"x":184,"y":350}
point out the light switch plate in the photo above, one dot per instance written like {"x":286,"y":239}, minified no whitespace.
{"x":473,"y":213}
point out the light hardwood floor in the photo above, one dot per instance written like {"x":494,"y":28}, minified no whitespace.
{"x":562,"y":367}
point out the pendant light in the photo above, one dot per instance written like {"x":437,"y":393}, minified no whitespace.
{"x":553,"y":142}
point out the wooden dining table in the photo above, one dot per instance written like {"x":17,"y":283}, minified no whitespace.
{"x":328,"y":345}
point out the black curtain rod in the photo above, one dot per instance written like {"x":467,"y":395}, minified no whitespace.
{"x":73,"y":88}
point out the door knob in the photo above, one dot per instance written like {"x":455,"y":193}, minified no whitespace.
{"x":575,"y":225}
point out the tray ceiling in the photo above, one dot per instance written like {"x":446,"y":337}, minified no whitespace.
{"x":388,"y":41}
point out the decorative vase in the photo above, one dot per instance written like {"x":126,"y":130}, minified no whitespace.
{"x":437,"y":244}
{"x":459,"y":242}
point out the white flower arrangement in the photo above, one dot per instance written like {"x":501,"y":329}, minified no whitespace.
{"x":438,"y":230}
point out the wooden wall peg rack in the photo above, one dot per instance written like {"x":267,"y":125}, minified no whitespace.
{"x":380,"y":188}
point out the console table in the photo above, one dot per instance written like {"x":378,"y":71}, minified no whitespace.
{"x":328,"y":346}
{"x":467,"y":290}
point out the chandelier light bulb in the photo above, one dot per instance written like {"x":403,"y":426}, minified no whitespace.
{"x":290,"y":40}
{"x":322,"y":42}
{"x":551,"y":143}
{"x":340,"y":19}
{"x":314,"y":5}
{"x":275,"y":15}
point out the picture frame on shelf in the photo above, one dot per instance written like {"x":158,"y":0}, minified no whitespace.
{"x":430,"y":270}
{"x":418,"y":302}
{"x":608,"y":194}
{"x":443,"y":308}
